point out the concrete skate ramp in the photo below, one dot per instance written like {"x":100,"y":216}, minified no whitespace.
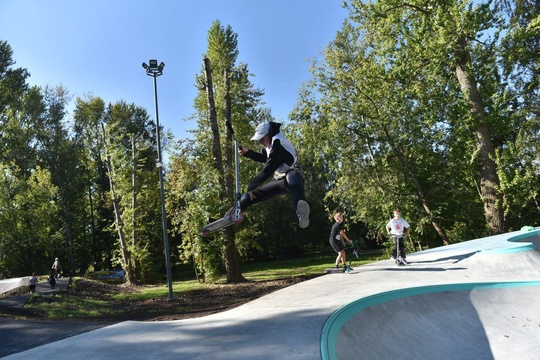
{"x":454,"y":321}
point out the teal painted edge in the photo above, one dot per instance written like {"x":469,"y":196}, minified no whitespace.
{"x":333,"y":324}
{"x":525,"y":235}
{"x":508,"y":250}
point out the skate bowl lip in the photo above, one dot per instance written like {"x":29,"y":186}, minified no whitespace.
{"x":339,"y":317}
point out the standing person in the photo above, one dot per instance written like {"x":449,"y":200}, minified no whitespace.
{"x":57,"y":268}
{"x":32,"y":283}
{"x":280,"y":160}
{"x":337,"y":240}
{"x":52,"y":280}
{"x":395,"y":227}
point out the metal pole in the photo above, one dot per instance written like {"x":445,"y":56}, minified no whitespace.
{"x":163,"y":215}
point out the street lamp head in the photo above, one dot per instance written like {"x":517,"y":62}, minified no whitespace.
{"x":154,"y":69}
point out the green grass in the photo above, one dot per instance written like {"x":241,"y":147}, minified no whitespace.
{"x":308,"y":266}
{"x":64,"y":306}
{"x":260,"y":271}
{"x":155,"y":291}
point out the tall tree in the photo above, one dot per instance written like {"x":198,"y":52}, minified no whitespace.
{"x":27,"y":194}
{"x":89,"y":114}
{"x":120,"y":141}
{"x":416,"y":86}
{"x":57,"y":152}
{"x":226,"y":95}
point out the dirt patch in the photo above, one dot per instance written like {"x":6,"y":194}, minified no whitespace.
{"x":208,"y":299}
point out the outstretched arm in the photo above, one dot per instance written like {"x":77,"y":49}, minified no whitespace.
{"x":253,"y":155}
{"x":343,"y":235}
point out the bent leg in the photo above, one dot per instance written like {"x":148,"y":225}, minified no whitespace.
{"x":295,"y":182}
{"x":343,"y":259}
{"x":267,"y":191}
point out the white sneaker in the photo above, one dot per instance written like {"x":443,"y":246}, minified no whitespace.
{"x":302,"y":211}
{"x":404,"y":261}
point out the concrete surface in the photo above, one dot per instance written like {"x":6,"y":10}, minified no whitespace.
{"x":10,"y":284}
{"x":42,"y":288}
{"x":469,"y":308}
{"x":20,"y":335}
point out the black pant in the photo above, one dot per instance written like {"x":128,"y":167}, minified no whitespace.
{"x":293,"y":182}
{"x":401,"y":242}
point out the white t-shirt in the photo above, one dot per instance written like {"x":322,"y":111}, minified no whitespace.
{"x":397,"y":226}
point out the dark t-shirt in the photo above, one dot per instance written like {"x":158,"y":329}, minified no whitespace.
{"x":336,"y":230}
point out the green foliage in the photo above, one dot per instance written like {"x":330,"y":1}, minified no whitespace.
{"x":198,"y":190}
{"x":385,"y":123}
{"x":28,"y":223}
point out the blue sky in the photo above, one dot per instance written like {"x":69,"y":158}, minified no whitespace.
{"x":97,"y":47}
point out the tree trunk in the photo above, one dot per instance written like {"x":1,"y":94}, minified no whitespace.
{"x":135,"y":259}
{"x":118,"y":215}
{"x":216,"y":146}
{"x":489,"y":179}
{"x":227,"y":191}
{"x":230,"y":252}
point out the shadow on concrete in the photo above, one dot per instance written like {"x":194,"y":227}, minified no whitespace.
{"x":454,"y":259}
{"x":231,"y":338}
{"x":21,"y":335}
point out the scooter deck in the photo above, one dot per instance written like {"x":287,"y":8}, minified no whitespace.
{"x":216,"y":225}
{"x":229,"y":219}
{"x":335,"y":271}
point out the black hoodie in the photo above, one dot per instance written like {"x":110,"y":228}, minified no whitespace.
{"x":277,"y":157}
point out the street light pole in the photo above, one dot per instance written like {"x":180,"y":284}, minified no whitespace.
{"x":154,"y":70}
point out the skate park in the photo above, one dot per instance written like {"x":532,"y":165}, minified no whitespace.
{"x":472,"y":300}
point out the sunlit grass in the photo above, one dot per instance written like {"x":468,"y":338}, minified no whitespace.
{"x":155,"y":291}
{"x":309,"y":266}
{"x":67,"y":307}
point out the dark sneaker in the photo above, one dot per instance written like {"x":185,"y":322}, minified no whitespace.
{"x":302,"y":211}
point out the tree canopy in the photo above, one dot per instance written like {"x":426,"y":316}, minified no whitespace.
{"x":429,"y":107}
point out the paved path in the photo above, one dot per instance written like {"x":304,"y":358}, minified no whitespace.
{"x":20,"y":335}
{"x":317,"y":318}
{"x":42,"y":288}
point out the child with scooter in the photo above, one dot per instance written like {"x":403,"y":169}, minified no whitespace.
{"x":395,"y":228}
{"x":337,"y":240}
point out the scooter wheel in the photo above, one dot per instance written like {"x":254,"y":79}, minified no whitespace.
{"x":239,"y":219}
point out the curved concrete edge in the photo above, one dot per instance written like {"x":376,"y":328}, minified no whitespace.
{"x":334,"y":323}
{"x":530,"y":236}
{"x":509,"y":250}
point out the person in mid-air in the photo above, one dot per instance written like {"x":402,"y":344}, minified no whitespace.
{"x":280,"y":161}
